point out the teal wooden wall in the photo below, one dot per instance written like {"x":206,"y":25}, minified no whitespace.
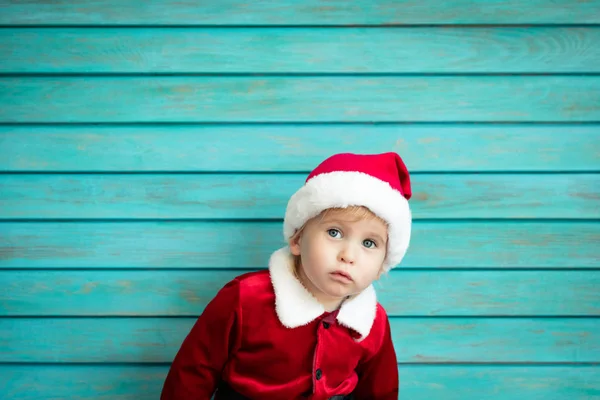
{"x":147,"y":151}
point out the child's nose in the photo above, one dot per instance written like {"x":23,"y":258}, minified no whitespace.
{"x":347,"y":254}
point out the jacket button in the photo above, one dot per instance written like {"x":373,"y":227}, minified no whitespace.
{"x":318,"y":374}
{"x":326,"y":325}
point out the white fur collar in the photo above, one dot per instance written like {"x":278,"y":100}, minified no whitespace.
{"x":296,"y":306}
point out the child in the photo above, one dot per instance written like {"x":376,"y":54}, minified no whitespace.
{"x":310,"y":326}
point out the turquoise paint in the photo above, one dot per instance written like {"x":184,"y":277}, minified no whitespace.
{"x":450,"y":382}
{"x":498,"y":297}
{"x":499,"y":382}
{"x":297,"y":148}
{"x":301,"y":50}
{"x":402,"y":292}
{"x":300,"y":99}
{"x":417,"y":340}
{"x":299,"y":12}
{"x":266,"y":196}
{"x":247,"y":244}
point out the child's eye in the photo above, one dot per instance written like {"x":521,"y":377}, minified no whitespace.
{"x":369,"y":244}
{"x":334,"y":233}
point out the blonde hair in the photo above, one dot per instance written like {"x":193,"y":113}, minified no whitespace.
{"x":351,"y":213}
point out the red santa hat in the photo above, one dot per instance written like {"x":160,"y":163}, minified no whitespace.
{"x":379,"y":182}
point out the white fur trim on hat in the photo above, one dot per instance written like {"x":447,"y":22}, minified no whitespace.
{"x":296,"y":306}
{"x":341,"y":189}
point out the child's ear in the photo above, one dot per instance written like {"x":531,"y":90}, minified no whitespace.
{"x":295,"y":245}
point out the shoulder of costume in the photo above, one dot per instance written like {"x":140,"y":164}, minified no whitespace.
{"x":251,"y":283}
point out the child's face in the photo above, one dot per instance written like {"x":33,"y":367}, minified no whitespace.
{"x":340,"y":255}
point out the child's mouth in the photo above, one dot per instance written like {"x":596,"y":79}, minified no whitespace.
{"x":341,"y":276}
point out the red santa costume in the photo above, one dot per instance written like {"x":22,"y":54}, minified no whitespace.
{"x":264,"y":336}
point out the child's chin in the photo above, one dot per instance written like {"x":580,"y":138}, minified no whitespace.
{"x":338,"y":291}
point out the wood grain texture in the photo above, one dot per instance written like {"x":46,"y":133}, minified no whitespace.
{"x":402,"y":292}
{"x":416,"y":340}
{"x":248,"y":245}
{"x":102,"y":275}
{"x":95,"y":382}
{"x":226,"y":196}
{"x":417,"y":382}
{"x":307,"y":99}
{"x":300,"y":50}
{"x":297,"y":148}
{"x":295,"y":12}
{"x":499,"y":382}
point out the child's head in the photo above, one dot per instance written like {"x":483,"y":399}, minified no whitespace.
{"x":352,"y":211}
{"x":341,"y":251}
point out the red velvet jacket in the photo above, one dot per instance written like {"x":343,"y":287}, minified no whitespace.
{"x":268,"y":338}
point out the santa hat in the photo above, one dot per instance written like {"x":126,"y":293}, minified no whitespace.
{"x":379,"y":182}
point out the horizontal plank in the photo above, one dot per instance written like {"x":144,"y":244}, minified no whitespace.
{"x":81,"y":382}
{"x":292,"y":99}
{"x":293,"y":12}
{"x":192,"y":244}
{"x":455,"y":382}
{"x":416,"y":340}
{"x":402,"y":292}
{"x":298,"y":50}
{"x":417,"y":382}
{"x":298,"y":148}
{"x":219,"y":196}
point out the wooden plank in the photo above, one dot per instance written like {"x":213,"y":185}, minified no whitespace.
{"x":294,"y":12}
{"x":402,"y":292}
{"x":309,"y":50}
{"x":448,"y":382}
{"x":416,"y":340}
{"x":193,"y":244}
{"x":291,"y":99}
{"x":229,"y":196}
{"x":457,"y":382}
{"x":92,"y":382}
{"x":297,"y":148}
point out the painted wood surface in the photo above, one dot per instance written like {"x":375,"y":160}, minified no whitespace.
{"x":248,"y":244}
{"x":296,"y":148}
{"x":450,"y":382}
{"x":417,"y":340}
{"x":147,"y":153}
{"x":292,"y":99}
{"x":303,"y":50}
{"x":298,"y":12}
{"x":261,"y":196}
{"x":402,"y":292}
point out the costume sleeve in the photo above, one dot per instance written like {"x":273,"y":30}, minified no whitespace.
{"x":378,"y":376}
{"x":197,"y":367}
